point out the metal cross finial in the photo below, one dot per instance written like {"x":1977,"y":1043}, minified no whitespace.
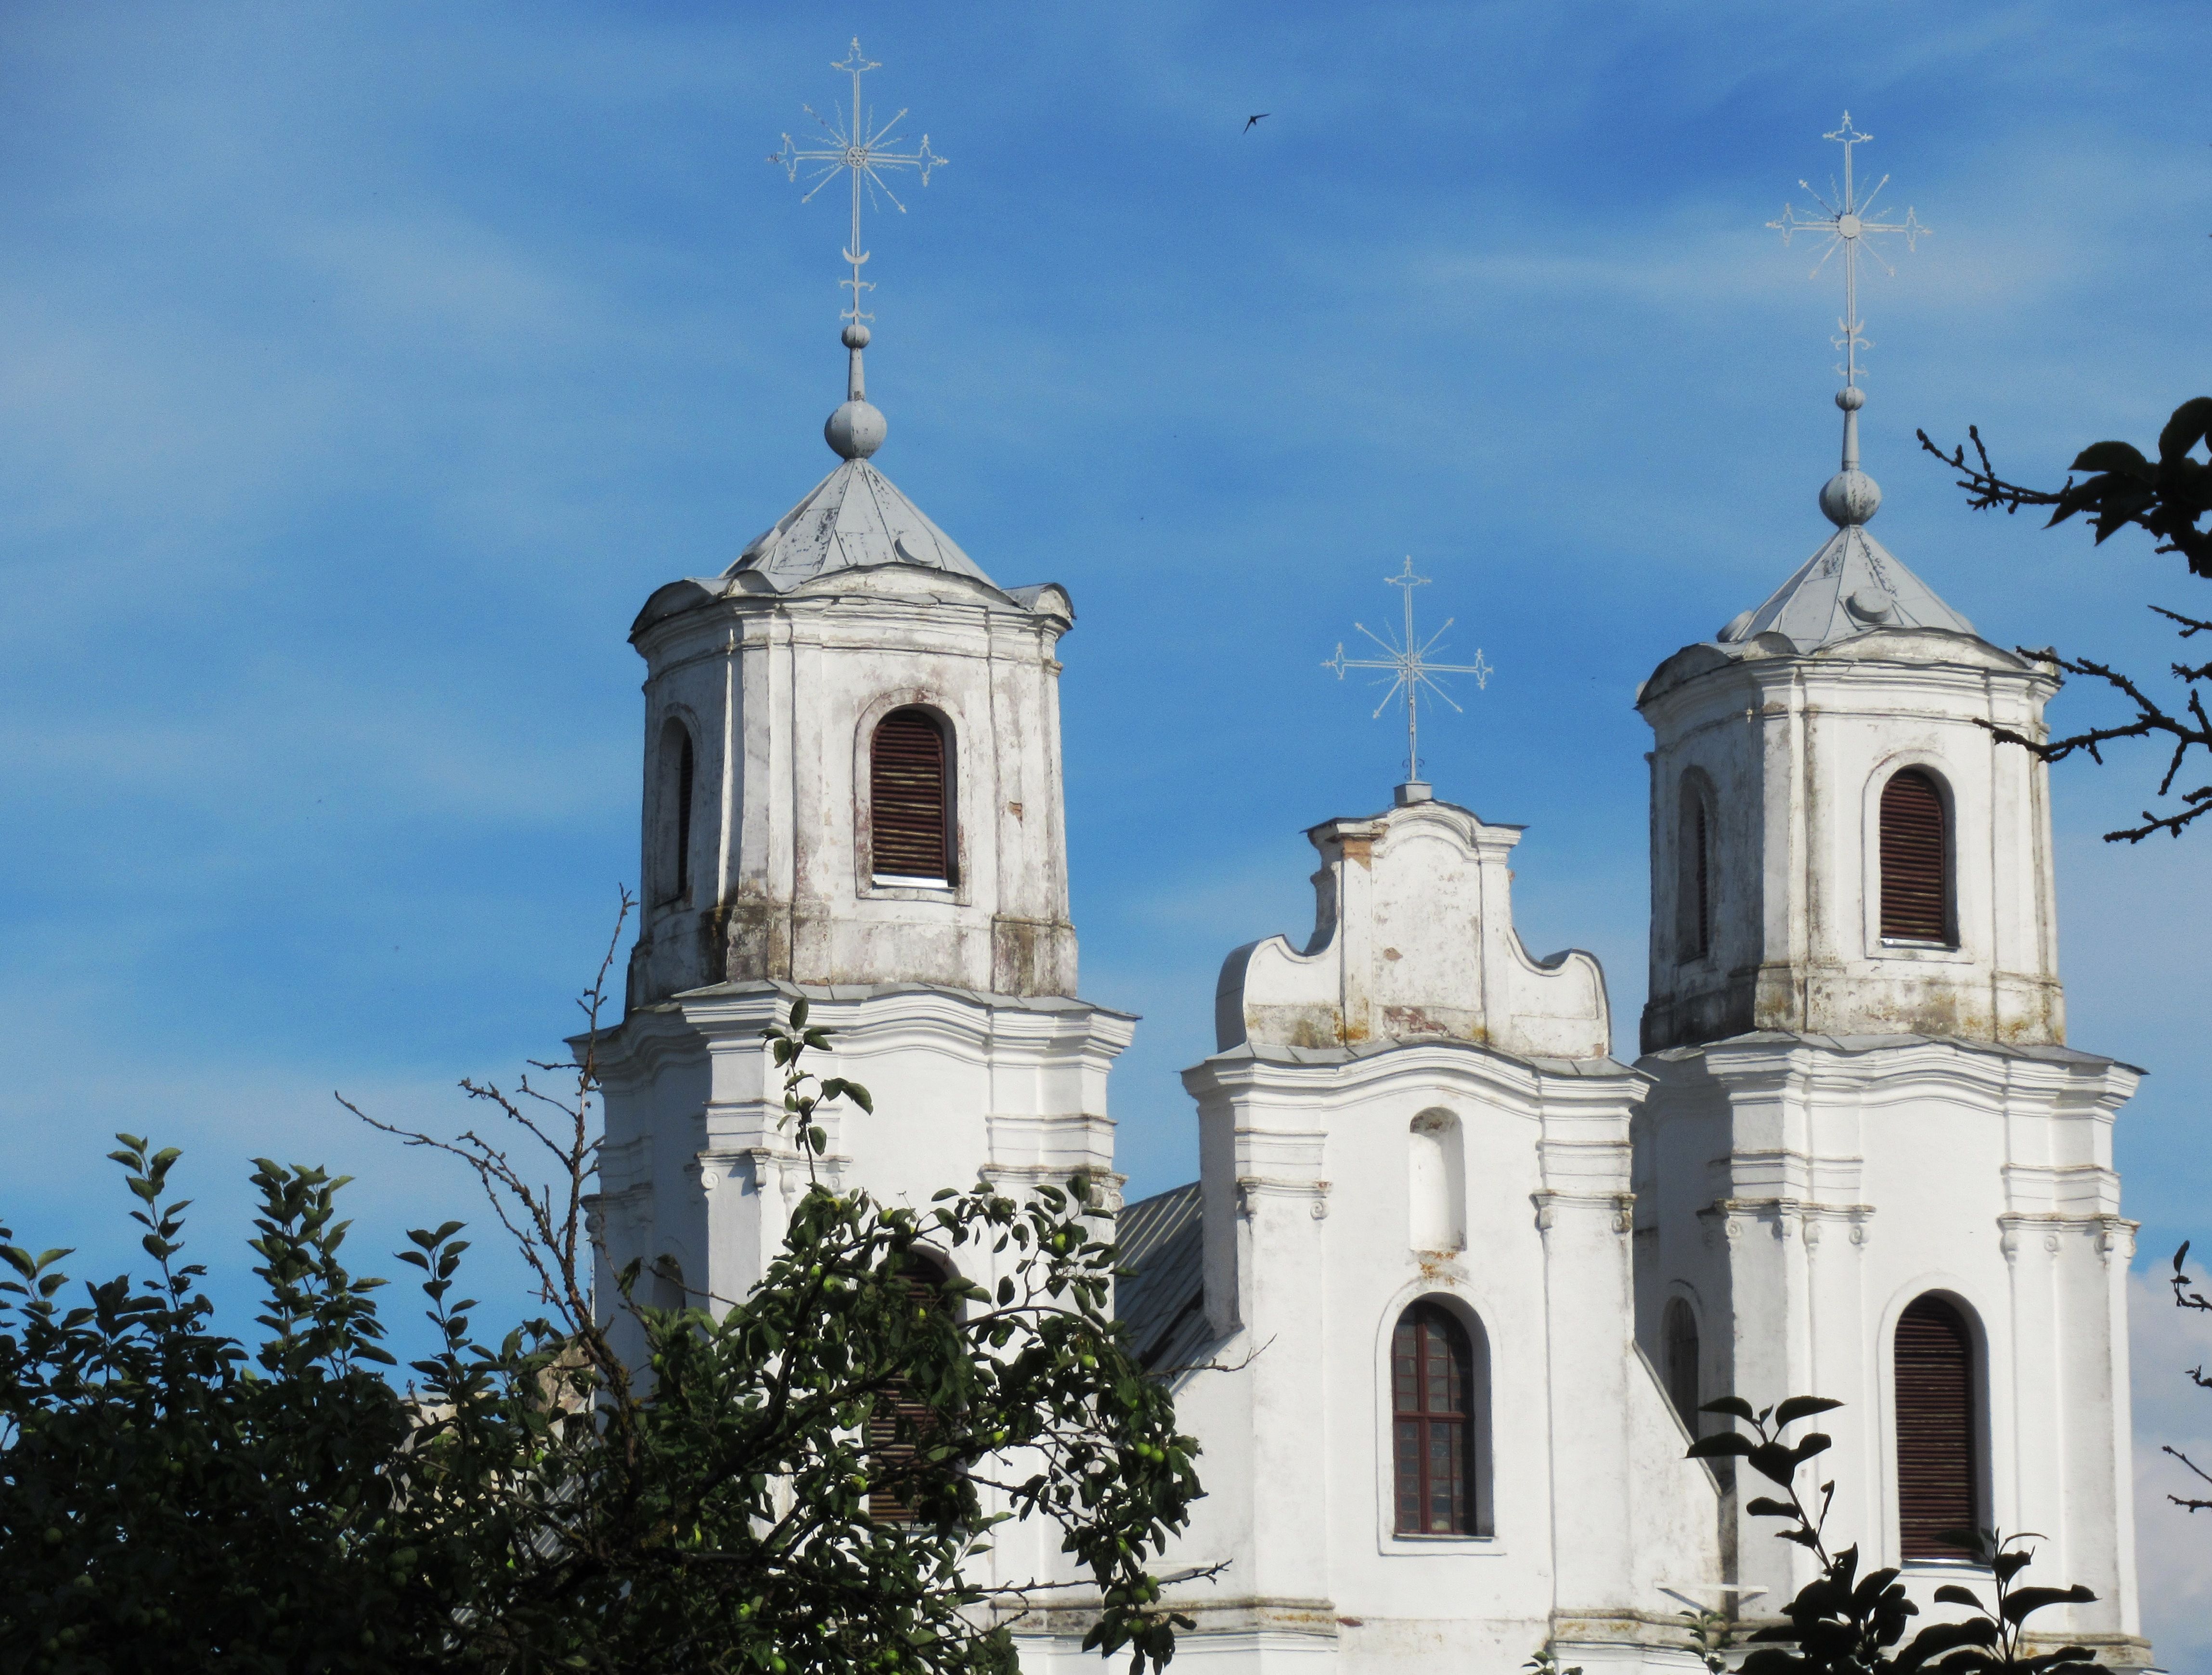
{"x":1410,"y":669}
{"x":1848,"y":223}
{"x":857,"y":146}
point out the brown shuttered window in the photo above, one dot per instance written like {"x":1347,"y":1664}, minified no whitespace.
{"x":1680,"y":1332}
{"x":890,"y":1453}
{"x":908,"y":808}
{"x":1938,"y":1441}
{"x":1915,"y":896}
{"x":1436,"y":1400}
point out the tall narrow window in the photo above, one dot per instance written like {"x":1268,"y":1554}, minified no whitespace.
{"x":687,"y":775}
{"x":1938,"y":1439}
{"x":671,"y":849}
{"x":899,"y":1424}
{"x":1679,"y":1327}
{"x":1438,"y":1392}
{"x":1693,"y":894}
{"x":1915,"y":867}
{"x":909,"y":809}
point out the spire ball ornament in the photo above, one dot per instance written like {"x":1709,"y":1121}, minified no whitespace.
{"x":1850,"y":497}
{"x":862,"y":150}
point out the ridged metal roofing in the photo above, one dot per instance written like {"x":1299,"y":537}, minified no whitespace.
{"x":1163,"y":1302}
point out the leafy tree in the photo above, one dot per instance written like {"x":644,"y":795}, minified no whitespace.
{"x":800,"y":1480}
{"x":2169,"y":498}
{"x":1843,"y":1622}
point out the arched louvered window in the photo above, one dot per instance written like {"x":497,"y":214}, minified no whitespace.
{"x":1439,"y":1401}
{"x":1679,"y":1329}
{"x":1939,"y":1464}
{"x":1916,"y":859}
{"x":899,"y":1424}
{"x":679,"y":774}
{"x":1694,"y":890}
{"x":909,"y":798}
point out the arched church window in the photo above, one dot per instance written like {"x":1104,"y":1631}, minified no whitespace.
{"x":679,"y":774}
{"x":1679,"y":1333}
{"x":1939,"y":1472}
{"x":909,"y":800}
{"x":1693,"y":894}
{"x":1916,"y":861}
{"x":1439,"y":1401}
{"x":899,"y":1424}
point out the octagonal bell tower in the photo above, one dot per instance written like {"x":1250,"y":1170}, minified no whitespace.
{"x":1797,"y":882}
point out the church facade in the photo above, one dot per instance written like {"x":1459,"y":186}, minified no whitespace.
{"x":1454,"y":1280}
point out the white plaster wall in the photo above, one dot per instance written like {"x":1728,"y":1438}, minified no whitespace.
{"x":1594,"y":1507}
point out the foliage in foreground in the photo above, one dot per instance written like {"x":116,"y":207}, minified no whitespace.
{"x":2168,"y":498}
{"x":1843,"y":1624}
{"x":801,"y":1481}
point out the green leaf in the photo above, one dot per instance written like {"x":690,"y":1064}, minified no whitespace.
{"x":1804,"y":1407}
{"x":799,"y":1012}
{"x":2120,"y":459}
{"x":1720,"y":1445}
{"x":2020,"y":1603}
{"x":1952,"y":1595}
{"x":2191,"y":423}
{"x":1736,"y":1406}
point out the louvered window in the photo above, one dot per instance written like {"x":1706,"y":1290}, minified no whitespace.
{"x":1938,"y":1439}
{"x":899,"y":1424}
{"x":1694,"y":909}
{"x":1437,"y":1399}
{"x":909,"y":807}
{"x":1680,"y":1329}
{"x":1916,"y":869}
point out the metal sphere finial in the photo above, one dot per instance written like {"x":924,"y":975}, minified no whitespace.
{"x":855,"y":430}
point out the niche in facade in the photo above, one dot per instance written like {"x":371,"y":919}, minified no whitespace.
{"x":1437,"y":1179}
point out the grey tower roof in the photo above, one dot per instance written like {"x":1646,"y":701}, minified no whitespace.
{"x":1852,"y":585}
{"x":854,"y":518}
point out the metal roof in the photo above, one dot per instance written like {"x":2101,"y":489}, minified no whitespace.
{"x":854,"y":518}
{"x":1851,"y":585}
{"x":1163,"y":1300}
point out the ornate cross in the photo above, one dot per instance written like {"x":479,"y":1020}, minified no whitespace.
{"x":1848,"y":222}
{"x":1410,"y":669}
{"x":860,"y":148}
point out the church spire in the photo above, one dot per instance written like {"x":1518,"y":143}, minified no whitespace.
{"x":860,"y":147}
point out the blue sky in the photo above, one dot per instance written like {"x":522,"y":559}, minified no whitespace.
{"x":363,"y":368}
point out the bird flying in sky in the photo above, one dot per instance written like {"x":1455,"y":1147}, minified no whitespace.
{"x":1249,"y":120}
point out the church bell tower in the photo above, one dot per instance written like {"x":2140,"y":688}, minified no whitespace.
{"x":1870,"y":1166}
{"x":851,"y":793}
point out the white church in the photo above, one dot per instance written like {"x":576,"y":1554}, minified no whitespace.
{"x":1443,"y":1304}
